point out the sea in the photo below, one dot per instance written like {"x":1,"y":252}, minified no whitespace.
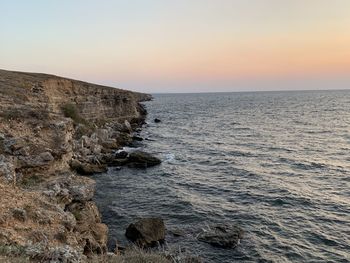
{"x":275,"y":163}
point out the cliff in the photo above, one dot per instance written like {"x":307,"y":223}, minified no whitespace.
{"x":49,"y":124}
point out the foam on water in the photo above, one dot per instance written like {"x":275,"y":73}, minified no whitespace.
{"x":170,"y":157}
{"x":276,"y":163}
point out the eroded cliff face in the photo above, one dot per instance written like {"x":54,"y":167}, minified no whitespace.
{"x":48,"y":123}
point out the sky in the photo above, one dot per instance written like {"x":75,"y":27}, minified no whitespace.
{"x":181,"y":46}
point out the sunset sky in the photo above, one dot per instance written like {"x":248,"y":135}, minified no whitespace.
{"x":182,"y":45}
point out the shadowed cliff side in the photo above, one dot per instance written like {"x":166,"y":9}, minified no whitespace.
{"x":46,"y":123}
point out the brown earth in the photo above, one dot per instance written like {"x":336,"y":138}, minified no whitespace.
{"x":46,"y":124}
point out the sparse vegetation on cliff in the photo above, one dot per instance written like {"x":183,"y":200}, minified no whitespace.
{"x":24,"y":113}
{"x":132,"y":255}
{"x":70,"y":111}
{"x":46,"y":209}
{"x":82,"y":126}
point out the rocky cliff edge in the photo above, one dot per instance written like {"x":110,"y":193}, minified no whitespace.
{"x":46,"y":124}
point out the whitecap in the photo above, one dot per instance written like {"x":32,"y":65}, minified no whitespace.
{"x":170,"y":157}
{"x":128,"y":149}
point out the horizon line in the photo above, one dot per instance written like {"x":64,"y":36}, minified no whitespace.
{"x":247,"y":91}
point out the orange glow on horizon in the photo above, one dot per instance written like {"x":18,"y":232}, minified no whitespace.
{"x":232,"y":59}
{"x":179,"y":42}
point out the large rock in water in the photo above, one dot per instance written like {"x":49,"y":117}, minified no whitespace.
{"x":141,"y":159}
{"x":226,"y":236}
{"x":87,"y":168}
{"x":146,"y":232}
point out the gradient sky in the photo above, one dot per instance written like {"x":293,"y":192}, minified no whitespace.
{"x":181,"y":45}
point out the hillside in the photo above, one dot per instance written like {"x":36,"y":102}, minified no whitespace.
{"x":49,"y":125}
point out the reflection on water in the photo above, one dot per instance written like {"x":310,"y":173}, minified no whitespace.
{"x":277,"y":163}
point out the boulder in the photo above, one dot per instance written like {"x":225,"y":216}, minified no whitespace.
{"x":103,"y":134}
{"x":23,"y":151}
{"x":16,"y":144}
{"x":137,"y":138}
{"x":94,"y":233}
{"x":146,"y":232}
{"x":46,"y":157}
{"x":100,"y":233}
{"x":67,"y":188}
{"x":110,"y":144}
{"x":7,"y":169}
{"x":225,"y":236}
{"x":141,"y":159}
{"x":128,"y":126}
{"x":118,"y":159}
{"x":123,"y":138}
{"x":156,"y":120}
{"x":82,"y":189}
{"x":121,"y":155}
{"x":87,"y":168}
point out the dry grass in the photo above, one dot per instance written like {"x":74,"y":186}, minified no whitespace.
{"x":70,"y":111}
{"x":12,"y":254}
{"x":25,"y":113}
{"x":33,"y":226}
{"x":133,"y":255}
{"x":13,"y":259}
{"x":83,"y":127}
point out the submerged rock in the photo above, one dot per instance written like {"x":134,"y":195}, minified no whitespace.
{"x":141,"y":159}
{"x":146,"y":232}
{"x":177,"y":232}
{"x":226,"y":236}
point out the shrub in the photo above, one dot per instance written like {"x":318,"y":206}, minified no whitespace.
{"x":133,"y":255}
{"x":11,"y":250}
{"x":12,"y":114}
{"x":25,"y":113}
{"x":71,"y":111}
{"x":77,"y":215}
{"x":82,"y":130}
{"x":33,"y":180}
{"x":83,"y":127}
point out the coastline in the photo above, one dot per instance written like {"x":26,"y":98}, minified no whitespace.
{"x":53,"y":131}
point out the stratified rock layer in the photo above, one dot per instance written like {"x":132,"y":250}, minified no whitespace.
{"x":49,"y":124}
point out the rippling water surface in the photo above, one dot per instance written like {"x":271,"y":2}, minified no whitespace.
{"x":276,"y":163}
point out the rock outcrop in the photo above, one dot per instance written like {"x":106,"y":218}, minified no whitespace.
{"x":51,"y":130}
{"x":141,"y":159}
{"x":146,"y":232}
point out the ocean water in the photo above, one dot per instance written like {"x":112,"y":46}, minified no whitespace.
{"x":276,"y":163}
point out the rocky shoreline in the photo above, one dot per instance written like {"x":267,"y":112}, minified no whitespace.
{"x":52,"y":131}
{"x":54,"y":134}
